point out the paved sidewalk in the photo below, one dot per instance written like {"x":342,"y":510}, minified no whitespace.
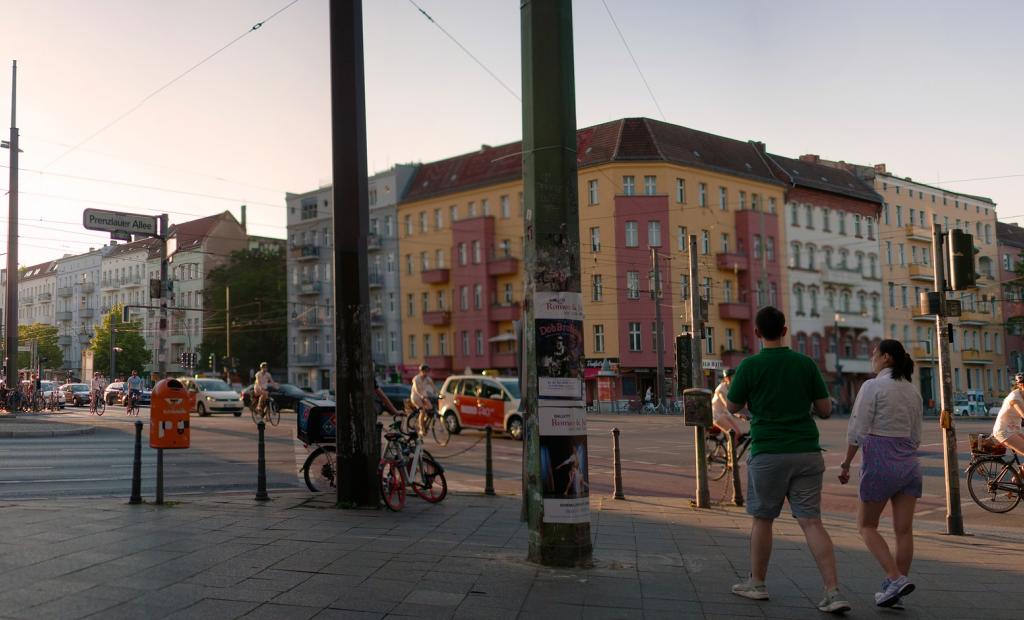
{"x":297,"y":557}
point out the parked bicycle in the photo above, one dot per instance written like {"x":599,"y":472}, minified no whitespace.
{"x":267,"y":410}
{"x":716,"y":452}
{"x":405,"y":463}
{"x":321,"y":467}
{"x":993,"y":480}
{"x":53,"y":401}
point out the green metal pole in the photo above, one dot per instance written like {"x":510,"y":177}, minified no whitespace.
{"x":552,"y":261}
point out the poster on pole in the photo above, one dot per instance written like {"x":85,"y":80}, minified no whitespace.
{"x":565,"y":481}
{"x":559,"y":338}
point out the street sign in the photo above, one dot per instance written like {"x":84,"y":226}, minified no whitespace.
{"x":114,"y":222}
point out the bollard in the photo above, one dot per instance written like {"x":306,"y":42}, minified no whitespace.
{"x":737,"y":490}
{"x":488,"y":464}
{"x":136,"y":497}
{"x":159,"y":476}
{"x":617,"y":465}
{"x":261,"y":476}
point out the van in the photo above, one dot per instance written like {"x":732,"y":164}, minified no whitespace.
{"x":478,"y":401}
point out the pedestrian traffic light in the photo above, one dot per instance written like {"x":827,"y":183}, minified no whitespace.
{"x":962,"y":274}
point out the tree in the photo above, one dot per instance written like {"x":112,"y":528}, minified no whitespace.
{"x":133,"y":354}
{"x":259,"y":311}
{"x":46,"y":339}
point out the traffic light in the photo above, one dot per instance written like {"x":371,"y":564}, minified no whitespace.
{"x":213,"y":362}
{"x":962,"y":275}
{"x":155,"y":290}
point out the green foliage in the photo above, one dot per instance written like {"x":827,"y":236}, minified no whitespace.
{"x":134,"y":354}
{"x":259,"y":311}
{"x":46,"y":336}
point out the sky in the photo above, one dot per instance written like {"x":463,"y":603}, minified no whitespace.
{"x":932,"y":89}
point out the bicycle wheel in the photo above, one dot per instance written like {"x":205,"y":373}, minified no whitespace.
{"x":991,"y":485}
{"x":430,"y":483}
{"x":392,"y":484}
{"x":273,"y":413}
{"x":412,"y":422}
{"x":717,"y":455}
{"x":256,"y":417}
{"x":439,"y":430}
{"x":321,"y":469}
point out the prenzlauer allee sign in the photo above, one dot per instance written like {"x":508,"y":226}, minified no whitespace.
{"x":112,"y":221}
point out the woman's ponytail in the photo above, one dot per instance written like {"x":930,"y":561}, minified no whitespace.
{"x":902,"y":365}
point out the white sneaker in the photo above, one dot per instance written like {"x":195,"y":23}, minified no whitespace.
{"x":748,"y":589}
{"x":834,"y":603}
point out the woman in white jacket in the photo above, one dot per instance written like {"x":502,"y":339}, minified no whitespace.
{"x":886,"y":423}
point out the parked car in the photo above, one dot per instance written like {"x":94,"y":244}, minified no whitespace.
{"x":213,"y":396}
{"x":77,"y":394}
{"x":113,"y":392}
{"x":287,"y":396}
{"x":478,"y":401}
{"x":49,"y":387}
{"x":397,"y":393}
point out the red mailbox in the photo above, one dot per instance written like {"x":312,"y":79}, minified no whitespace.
{"x":168,"y":418}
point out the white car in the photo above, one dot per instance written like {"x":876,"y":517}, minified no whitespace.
{"x":213,"y":396}
{"x":49,"y":387}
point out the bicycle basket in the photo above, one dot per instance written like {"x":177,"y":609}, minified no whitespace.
{"x":984,"y":444}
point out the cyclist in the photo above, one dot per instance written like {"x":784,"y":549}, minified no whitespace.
{"x":723,"y":420}
{"x":261,"y":387}
{"x":97,"y":386}
{"x":1007,"y":429}
{"x":422,"y":394}
{"x":134,"y":390}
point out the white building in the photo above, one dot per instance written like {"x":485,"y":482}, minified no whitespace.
{"x":78,"y":304}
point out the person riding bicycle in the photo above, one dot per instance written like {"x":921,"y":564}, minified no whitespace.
{"x":134,"y":389}
{"x":261,"y":387}
{"x":97,"y":386}
{"x":422,"y":394}
{"x":722,"y":419}
{"x":1007,"y":429}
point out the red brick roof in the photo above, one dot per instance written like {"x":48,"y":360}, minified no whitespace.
{"x":190,"y":234}
{"x":1010,"y":234}
{"x":627,"y":139}
{"x":803,"y":173}
{"x":38,"y":271}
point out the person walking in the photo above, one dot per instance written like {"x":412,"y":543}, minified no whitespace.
{"x":781,"y":388}
{"x":886,"y":425}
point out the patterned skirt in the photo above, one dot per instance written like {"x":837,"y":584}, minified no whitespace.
{"x":889,"y":466}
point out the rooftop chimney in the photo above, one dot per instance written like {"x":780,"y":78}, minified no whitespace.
{"x":880,"y":168}
{"x":243,"y":217}
{"x":811,"y":158}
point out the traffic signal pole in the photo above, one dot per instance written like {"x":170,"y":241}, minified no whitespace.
{"x":954,"y":518}
{"x":11,"y":318}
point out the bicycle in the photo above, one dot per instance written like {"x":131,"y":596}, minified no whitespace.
{"x":994,"y":483}
{"x":269,"y":411}
{"x":53,"y":402}
{"x":432,"y":425}
{"x":97,"y":405}
{"x":321,"y":468}
{"x":132,"y":404}
{"x":404,"y":462}
{"x":656,"y":408}
{"x":716,"y":451}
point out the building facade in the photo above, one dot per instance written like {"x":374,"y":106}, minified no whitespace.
{"x":1011,"y":245}
{"x":78,"y":302}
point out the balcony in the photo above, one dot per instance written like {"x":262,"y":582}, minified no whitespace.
{"x":375,"y":280}
{"x":850,"y":365}
{"x":305,"y":252}
{"x":503,"y":266}
{"x":44,"y":297}
{"x":62,"y":316}
{"x":917,"y":315}
{"x":63,"y":341}
{"x":309,"y":359}
{"x":921,"y":272}
{"x":308,"y":324}
{"x":65,"y":291}
{"x":377,"y":318}
{"x":974,"y":317}
{"x":854,"y":320}
{"x":508,"y":312}
{"x":439,"y":362}
{"x":734,"y":311}
{"x":88,"y":287}
{"x":373,"y":242}
{"x":87,"y":313}
{"x":732,"y":359}
{"x":26,"y":300}
{"x":842,"y":277}
{"x":434,"y":276}
{"x":437,"y":318}
{"x":108,"y":284}
{"x":918,"y":233}
{"x":309,"y":288}
{"x":84,"y":338}
{"x":503,"y":360}
{"x":920,"y":354}
{"x":974,"y":356}
{"x":131,"y":282}
{"x":732,"y":262}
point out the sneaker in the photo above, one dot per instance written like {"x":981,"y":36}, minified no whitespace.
{"x":896,"y":589}
{"x":897,"y":604}
{"x":751,"y":590}
{"x":834,"y":603}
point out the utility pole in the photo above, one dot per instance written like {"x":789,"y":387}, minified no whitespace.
{"x":697,"y":328}
{"x":12,"y":238}
{"x":357,"y":439}
{"x":559,"y":525}
{"x":658,"y":333}
{"x":954,"y":518}
{"x":227,"y":320}
{"x":163,"y":351}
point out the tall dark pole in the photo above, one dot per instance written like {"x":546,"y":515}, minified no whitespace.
{"x":12,"y":239}
{"x":358,"y":447}
{"x":559,"y":530}
{"x":658,"y":333}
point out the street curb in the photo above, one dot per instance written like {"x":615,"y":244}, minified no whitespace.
{"x":78,"y":430}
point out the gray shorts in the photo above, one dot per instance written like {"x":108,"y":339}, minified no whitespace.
{"x":772,"y":478}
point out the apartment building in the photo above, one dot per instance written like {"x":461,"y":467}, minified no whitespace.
{"x":36,"y":288}
{"x":643,"y":184}
{"x":78,"y":300}
{"x":835,"y":275}
{"x":1011,"y":245}
{"x":311,"y":291}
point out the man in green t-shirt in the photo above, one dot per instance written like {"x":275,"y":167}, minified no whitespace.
{"x":781,"y":388}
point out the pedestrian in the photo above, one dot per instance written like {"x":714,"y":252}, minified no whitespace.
{"x":886,"y":425}
{"x":782,"y":388}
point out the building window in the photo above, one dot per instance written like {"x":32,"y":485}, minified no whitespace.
{"x":426,"y":345}
{"x":856,"y":225}
{"x":464,"y":298}
{"x":702,"y":194}
{"x":769,"y":249}
{"x":794,"y":215}
{"x":632,"y":234}
{"x":508,"y":293}
{"x":628,"y":185}
{"x":723,"y":199}
{"x":465,"y":342}
{"x":705,"y":242}
{"x":506,"y":208}
{"x":650,"y":185}
{"x":478,"y":296}
{"x":438,"y":222}
{"x":682,"y":238}
{"x":412,"y":345}
{"x":871,"y":227}
{"x":634,"y":337}
{"x":410,"y":305}
{"x":725,"y":243}
{"x":709,"y":340}
{"x":633,"y":284}
{"x":408,"y":225}
{"x":462,"y":253}
{"x":453,"y":214}
{"x":654,"y":234}
{"x":595,"y":239}
{"x":598,"y":338}
{"x":742,"y":204}
{"x":597,"y":286}
{"x":476,"y":252}
{"x":479,"y":342}
{"x":684,"y":287}
{"x":842,"y":222}
{"x":680,"y":191}
{"x":485,"y":206}
{"x":757,"y":246}
{"x":592,"y":192}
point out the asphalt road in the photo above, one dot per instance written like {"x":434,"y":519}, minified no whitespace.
{"x":657,"y":454}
